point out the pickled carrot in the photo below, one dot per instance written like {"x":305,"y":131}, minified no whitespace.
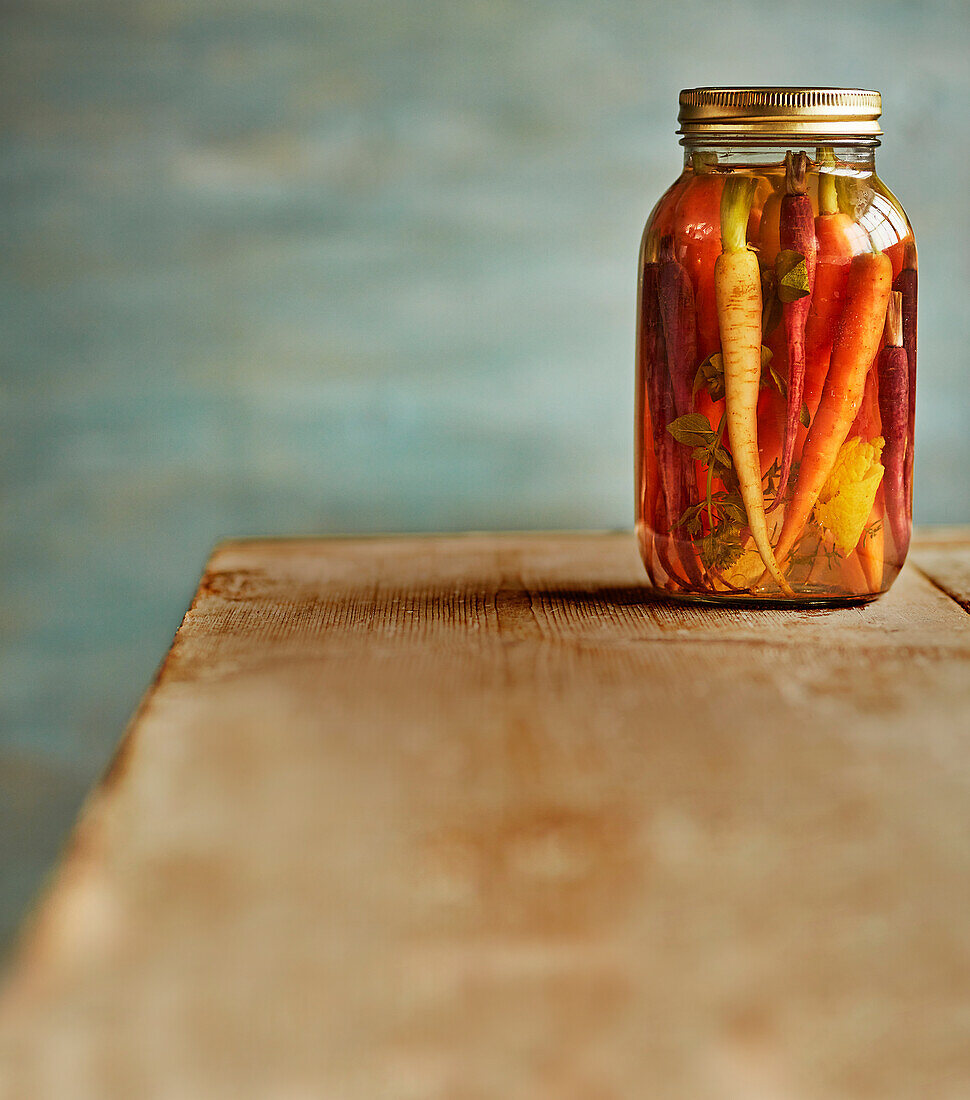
{"x":697,"y":243}
{"x":696,"y":219}
{"x":868,"y":422}
{"x":871,"y":550}
{"x":906,"y":283}
{"x":897,"y":254}
{"x":676,"y":298}
{"x":762,"y":193}
{"x":797,"y":230}
{"x":771,"y":428}
{"x":893,"y":373}
{"x":650,"y":357}
{"x":854,"y":577}
{"x":652,"y":370}
{"x":673,"y":463}
{"x":737,"y":281}
{"x":839,"y":239}
{"x":835,"y":251}
{"x":769,"y":237}
{"x":646,"y":460}
{"x":856,"y":342}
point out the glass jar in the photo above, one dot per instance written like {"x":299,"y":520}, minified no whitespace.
{"x":776,"y":356}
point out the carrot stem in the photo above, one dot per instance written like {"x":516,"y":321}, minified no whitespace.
{"x":828,"y":196}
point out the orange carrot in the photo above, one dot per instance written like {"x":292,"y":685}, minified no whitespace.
{"x":737,"y":284}
{"x":868,"y":420}
{"x":871,"y":550}
{"x":856,"y":342}
{"x":761,"y":195}
{"x":854,"y":576}
{"x":837,"y":237}
{"x":769,"y":238}
{"x":697,"y":244}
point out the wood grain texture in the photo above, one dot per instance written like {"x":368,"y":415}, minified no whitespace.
{"x":463,"y":818}
{"x":943,"y":557}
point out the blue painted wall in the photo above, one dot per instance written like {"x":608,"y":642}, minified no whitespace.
{"x":282,"y":267}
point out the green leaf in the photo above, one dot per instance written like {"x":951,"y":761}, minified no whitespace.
{"x":771,"y":310}
{"x":792,"y":275}
{"x":729,"y":477}
{"x":722,"y":547}
{"x":723,"y":457}
{"x":735,"y":512}
{"x":769,"y":376}
{"x":872,"y":529}
{"x":691,"y":519}
{"x":710,"y":374}
{"x":804,"y":416}
{"x":771,"y":477}
{"x":693,"y":430}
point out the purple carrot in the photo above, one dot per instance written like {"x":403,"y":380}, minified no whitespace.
{"x":906,"y":284}
{"x":671,"y":457}
{"x":654,"y":353}
{"x":676,"y":296}
{"x":894,"y":411}
{"x":796,"y":231}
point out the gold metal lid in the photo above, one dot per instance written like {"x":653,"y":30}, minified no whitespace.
{"x":780,"y":112}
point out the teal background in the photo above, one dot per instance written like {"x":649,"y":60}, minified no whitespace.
{"x":280,"y":267}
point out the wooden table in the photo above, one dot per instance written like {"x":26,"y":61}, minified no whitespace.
{"x":473,"y":818}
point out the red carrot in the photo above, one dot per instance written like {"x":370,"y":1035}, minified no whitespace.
{"x":894,"y":374}
{"x":796,"y":234}
{"x":906,"y":285}
{"x":676,"y":297}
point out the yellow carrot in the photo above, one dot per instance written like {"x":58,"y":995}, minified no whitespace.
{"x":737,"y":288}
{"x":857,"y":341}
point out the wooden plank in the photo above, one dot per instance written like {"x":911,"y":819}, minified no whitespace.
{"x":944,"y":556}
{"x":473,"y":816}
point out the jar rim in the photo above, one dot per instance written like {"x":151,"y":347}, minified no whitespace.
{"x":762,"y":112}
